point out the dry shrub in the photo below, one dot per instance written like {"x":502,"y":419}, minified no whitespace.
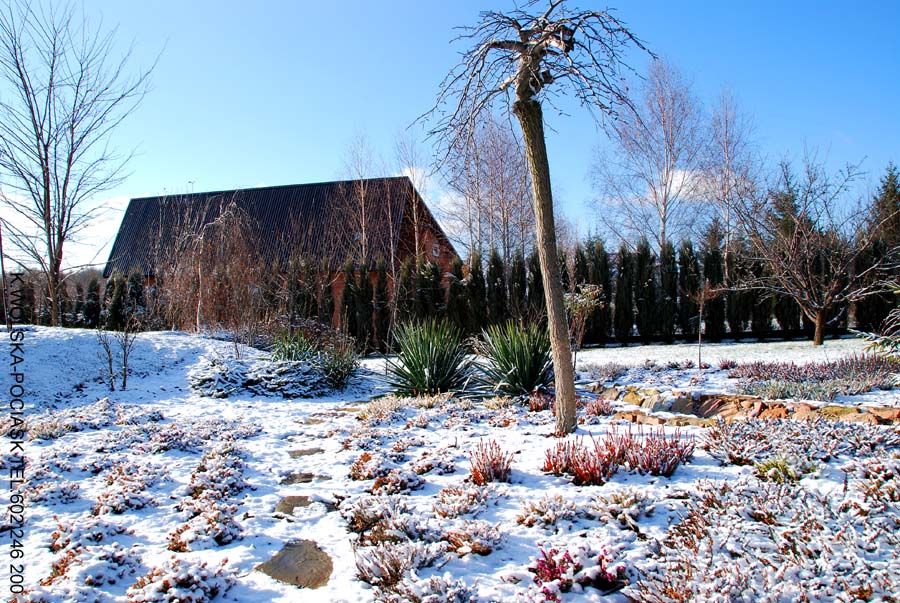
{"x":454,"y":501}
{"x":546,"y":511}
{"x":490,"y":463}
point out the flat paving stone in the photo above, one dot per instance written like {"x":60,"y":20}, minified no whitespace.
{"x":301,"y":563}
{"x":301,"y":477}
{"x":296,"y":454}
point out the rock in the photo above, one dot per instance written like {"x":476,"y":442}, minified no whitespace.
{"x":650,"y":420}
{"x":295,"y":454}
{"x":633,"y":397}
{"x":692,"y":421}
{"x":838,"y":412}
{"x":803,"y":410}
{"x":287,"y":504}
{"x":683,"y":405}
{"x":609,"y":393}
{"x":301,"y":563}
{"x":774,"y":411}
{"x":301,"y":477}
{"x":654,"y":403}
{"x":627,"y":416}
{"x":860,"y":417}
{"x":887,"y":414}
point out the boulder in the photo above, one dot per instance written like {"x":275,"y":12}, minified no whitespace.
{"x":301,"y":563}
{"x":886,"y":414}
{"x":683,"y":405}
{"x":774,"y":411}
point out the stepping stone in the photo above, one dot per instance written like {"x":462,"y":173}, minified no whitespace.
{"x":301,"y":563}
{"x":287,"y":504}
{"x":313,"y":421}
{"x":301,"y":477}
{"x":296,"y":454}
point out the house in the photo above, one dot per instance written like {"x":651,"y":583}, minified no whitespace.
{"x":325,"y":223}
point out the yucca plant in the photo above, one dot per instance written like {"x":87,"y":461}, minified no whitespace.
{"x":517,"y":358}
{"x":431,"y":359}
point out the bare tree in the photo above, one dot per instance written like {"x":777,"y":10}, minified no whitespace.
{"x":809,"y":237}
{"x":411,"y":163}
{"x":66,"y":97}
{"x":522,"y":58}
{"x":650,"y":184}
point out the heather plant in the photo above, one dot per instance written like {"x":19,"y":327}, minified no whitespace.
{"x":431,"y":359}
{"x":182,"y":581}
{"x":853,"y":374}
{"x":624,"y":507}
{"x":454,"y":501}
{"x":604,"y":373}
{"x":586,"y":564}
{"x":547,"y":511}
{"x":490,"y":463}
{"x":472,"y":536}
{"x":517,"y":358}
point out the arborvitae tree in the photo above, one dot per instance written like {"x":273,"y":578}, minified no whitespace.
{"x":623,"y":312}
{"x":382,"y":307}
{"x":405,"y":293}
{"x":496,"y":289}
{"x":688,"y":285}
{"x":65,"y":305}
{"x":535,"y":288}
{"x":457,"y":301}
{"x":600,"y":321}
{"x":135,"y":302}
{"x":580,"y":266}
{"x":645,"y":298}
{"x":761,"y":306}
{"x":92,"y":304}
{"x":668,"y":291}
{"x":438,"y":294}
{"x":787,"y":313}
{"x":429,"y":293}
{"x":78,"y":307}
{"x":116,"y":288}
{"x":365,"y":308}
{"x":326,"y":297}
{"x":518,"y":287}
{"x":713,"y":273}
{"x":564,"y":269}
{"x":349,"y":312}
{"x":477,"y":295}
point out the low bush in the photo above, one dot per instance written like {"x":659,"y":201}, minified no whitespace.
{"x":517,"y":358}
{"x":546,"y":511}
{"x":431,"y":359}
{"x":587,"y":465}
{"x":603,"y":373}
{"x":623,"y":507}
{"x":454,"y":501}
{"x":182,"y":581}
{"x":473,"y":536}
{"x":558,"y":571}
{"x":490,"y":463}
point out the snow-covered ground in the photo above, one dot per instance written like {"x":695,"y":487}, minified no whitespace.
{"x":157,"y":468}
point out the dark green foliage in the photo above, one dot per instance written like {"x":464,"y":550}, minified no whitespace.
{"x":787,"y":313}
{"x":761,"y":316}
{"x":580,"y":268}
{"x":713,"y":273}
{"x":329,"y":351}
{"x":92,"y":304}
{"x":326,"y":299}
{"x":517,"y":358}
{"x":536,"y":301}
{"x":872,"y":311}
{"x":365,"y":309}
{"x":496,"y":289}
{"x":431,"y":359}
{"x":78,"y":307}
{"x":645,"y":298}
{"x":476,"y":294}
{"x":564,"y":269}
{"x":668,"y":292}
{"x":349,"y":313}
{"x":405,"y":292}
{"x":382,"y":308}
{"x":114,"y":295}
{"x":429,"y":293}
{"x":737,"y":302}
{"x":600,"y":321}
{"x":65,"y":306}
{"x":886,"y":207}
{"x":457,"y":300}
{"x":135,"y":300}
{"x":27,"y":301}
{"x":518,"y":288}
{"x":623,"y":316}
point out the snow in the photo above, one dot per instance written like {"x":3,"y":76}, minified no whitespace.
{"x":158,"y":464}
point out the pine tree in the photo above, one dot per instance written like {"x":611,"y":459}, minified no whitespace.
{"x":623,"y":316}
{"x":645,"y":298}
{"x":135,"y":303}
{"x":536,"y":299}
{"x":364,"y":308}
{"x":496,"y":289}
{"x":382,"y":307}
{"x":598,"y":328}
{"x":688,"y":285}
{"x":438,"y":296}
{"x":713,"y":273}
{"x":564,"y":269}
{"x":405,"y":293}
{"x":580,"y":266}
{"x":115,"y":308}
{"x":457,"y":302}
{"x":92,"y":304}
{"x":349,"y":313}
{"x":518,"y":287}
{"x":477,"y":295}
{"x":668,"y":292}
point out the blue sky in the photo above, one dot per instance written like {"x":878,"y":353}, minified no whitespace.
{"x":265,"y":93}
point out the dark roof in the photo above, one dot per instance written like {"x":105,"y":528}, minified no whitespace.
{"x":312,"y":220}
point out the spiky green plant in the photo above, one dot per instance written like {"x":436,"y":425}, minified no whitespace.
{"x":517,"y":358}
{"x":431,"y":359}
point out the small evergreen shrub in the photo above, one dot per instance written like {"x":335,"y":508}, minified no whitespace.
{"x":517,"y":358}
{"x":490,"y":463}
{"x":431,"y":359}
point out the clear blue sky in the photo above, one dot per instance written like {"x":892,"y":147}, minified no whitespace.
{"x":264,"y":93}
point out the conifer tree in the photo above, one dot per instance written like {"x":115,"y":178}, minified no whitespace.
{"x":760,"y":306}
{"x":535,"y":288}
{"x":135,"y":303}
{"x":688,"y":285}
{"x":349,"y":312}
{"x":364,"y":308}
{"x":405,"y":293}
{"x":600,"y":321}
{"x":115,"y":309}
{"x":64,"y":302}
{"x":477,"y":295}
{"x":457,"y":302}
{"x":580,"y":266}
{"x":713,"y":273}
{"x":326,"y":298}
{"x":496,"y":289}
{"x":668,"y":292}
{"x":92,"y":304}
{"x":78,"y":308}
{"x":382,"y":308}
{"x":645,"y":298}
{"x":564,"y":269}
{"x":518,"y":287}
{"x":787,"y":313}
{"x":429,"y":293}
{"x":623,"y":316}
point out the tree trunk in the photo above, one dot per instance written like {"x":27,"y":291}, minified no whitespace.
{"x":819,"y":337}
{"x":531,"y":119}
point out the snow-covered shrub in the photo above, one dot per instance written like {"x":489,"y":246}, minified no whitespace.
{"x":652,"y":452}
{"x":386,"y":564}
{"x":727,"y":364}
{"x":382,"y":410}
{"x":397,"y":481}
{"x":53,"y":492}
{"x":472,"y":536}
{"x":182,"y":581}
{"x":778,"y":470}
{"x":48,"y":430}
{"x":214,"y":525}
{"x":598,"y":407}
{"x":546,"y":511}
{"x":222,"y":378}
{"x":219,"y":474}
{"x":383,"y":519}
{"x":436,"y":589}
{"x":134,"y":415}
{"x":583,"y":565}
{"x":368,"y":466}
{"x":404,"y":444}
{"x":623,"y":507}
{"x":588,"y":465}
{"x":364,"y":438}
{"x":877,"y":478}
{"x":490,"y":463}
{"x":539,"y":401}
{"x":126,"y":487}
{"x":603,"y":373}
{"x":84,"y":531}
{"x":454,"y":501}
{"x":439,"y":460}
{"x":791,"y":544}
